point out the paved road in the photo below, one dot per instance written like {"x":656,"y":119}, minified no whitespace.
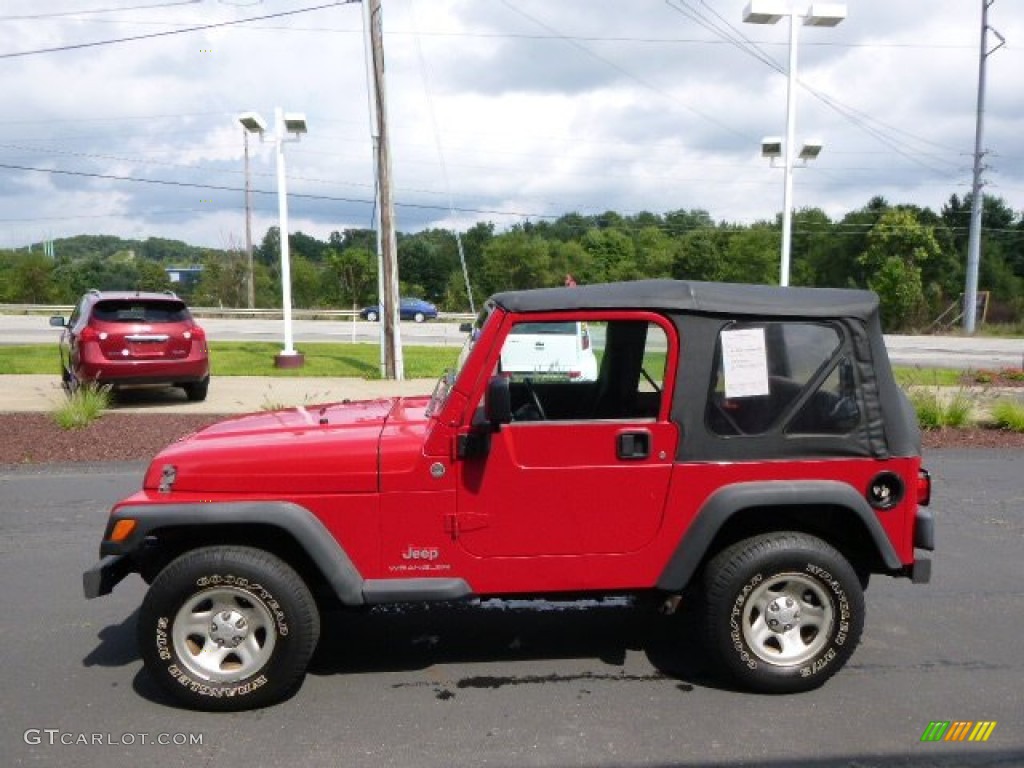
{"x":585,"y":687}
{"x":925,"y":351}
{"x":31,"y":329}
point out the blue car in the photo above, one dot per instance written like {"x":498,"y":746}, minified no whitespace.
{"x":408,"y":309}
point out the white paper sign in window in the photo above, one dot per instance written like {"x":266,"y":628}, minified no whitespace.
{"x":744,"y":363}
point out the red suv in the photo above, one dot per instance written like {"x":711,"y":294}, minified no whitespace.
{"x":120,"y":337}
{"x":743,"y":450}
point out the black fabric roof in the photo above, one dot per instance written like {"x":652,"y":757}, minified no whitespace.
{"x":731,"y":299}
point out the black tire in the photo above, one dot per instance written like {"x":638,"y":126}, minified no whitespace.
{"x":784,"y":611}
{"x":264,"y":610}
{"x":196,"y":391}
{"x":68,"y":381}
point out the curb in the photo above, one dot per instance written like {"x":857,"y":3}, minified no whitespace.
{"x":36,"y":393}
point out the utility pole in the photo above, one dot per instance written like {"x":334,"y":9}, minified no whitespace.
{"x":248,"y":225}
{"x":394,"y":366}
{"x":974,"y":239}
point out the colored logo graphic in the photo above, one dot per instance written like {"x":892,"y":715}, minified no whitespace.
{"x":958,"y":730}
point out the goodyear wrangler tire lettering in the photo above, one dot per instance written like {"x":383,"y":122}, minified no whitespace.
{"x":784,"y":611}
{"x":228,"y":628}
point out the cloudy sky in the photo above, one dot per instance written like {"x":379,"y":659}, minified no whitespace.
{"x":500,"y":110}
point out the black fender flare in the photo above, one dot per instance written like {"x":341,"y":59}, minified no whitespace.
{"x":726,"y":502}
{"x":311,"y":534}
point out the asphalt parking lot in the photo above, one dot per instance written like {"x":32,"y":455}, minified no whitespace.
{"x":517,"y":684}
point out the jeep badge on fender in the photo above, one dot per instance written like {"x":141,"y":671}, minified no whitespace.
{"x":745,"y":444}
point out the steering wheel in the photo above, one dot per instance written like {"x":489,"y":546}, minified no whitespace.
{"x":536,"y":400}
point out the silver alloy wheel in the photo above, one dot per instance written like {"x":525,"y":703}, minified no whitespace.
{"x":371,"y":316}
{"x":788,"y":619}
{"x":419,"y":317}
{"x":224,"y":634}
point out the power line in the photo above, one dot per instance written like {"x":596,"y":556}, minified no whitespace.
{"x":151,"y":35}
{"x":624,"y":71}
{"x":88,"y":11}
{"x":224,"y":188}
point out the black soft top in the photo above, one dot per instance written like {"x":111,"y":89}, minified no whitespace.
{"x":692,"y":296}
{"x":889,"y":427}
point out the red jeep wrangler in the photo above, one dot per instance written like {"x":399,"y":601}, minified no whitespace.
{"x":746,"y":444}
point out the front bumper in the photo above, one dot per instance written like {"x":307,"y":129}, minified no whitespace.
{"x":105,"y":575}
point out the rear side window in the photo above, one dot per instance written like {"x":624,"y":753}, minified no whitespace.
{"x":136,"y":311}
{"x":782,"y":377}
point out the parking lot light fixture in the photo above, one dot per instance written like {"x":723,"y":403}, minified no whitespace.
{"x":771,"y":147}
{"x":813,"y":15}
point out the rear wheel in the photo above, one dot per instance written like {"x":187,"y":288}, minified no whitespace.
{"x":784,"y":611}
{"x":228,"y":628}
{"x":196,"y":390}
{"x":371,"y":316}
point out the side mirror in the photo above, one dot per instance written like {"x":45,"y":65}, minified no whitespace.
{"x":57,"y":321}
{"x":498,"y":402}
{"x":465,"y":327}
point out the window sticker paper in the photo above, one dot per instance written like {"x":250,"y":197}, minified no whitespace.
{"x":744,"y":363}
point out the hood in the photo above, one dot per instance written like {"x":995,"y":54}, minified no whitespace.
{"x":313,"y":449}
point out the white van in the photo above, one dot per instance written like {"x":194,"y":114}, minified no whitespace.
{"x":559,"y":349}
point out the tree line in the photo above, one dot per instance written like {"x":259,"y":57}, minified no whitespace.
{"x":913,"y":257}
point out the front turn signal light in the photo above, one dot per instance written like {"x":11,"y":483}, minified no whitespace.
{"x":123,"y":529}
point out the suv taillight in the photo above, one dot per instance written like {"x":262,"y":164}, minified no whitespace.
{"x":924,"y":487}
{"x":88,"y":334}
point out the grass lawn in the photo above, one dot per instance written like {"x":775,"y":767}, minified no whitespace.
{"x":255,"y":358}
{"x":362,"y":361}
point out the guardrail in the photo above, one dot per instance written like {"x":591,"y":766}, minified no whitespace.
{"x":229,"y":312}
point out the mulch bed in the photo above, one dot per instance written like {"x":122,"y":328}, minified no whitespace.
{"x":1004,"y":378}
{"x":33,"y":438}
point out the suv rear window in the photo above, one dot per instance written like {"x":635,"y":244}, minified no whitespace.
{"x":134,"y":311}
{"x":560,"y":329}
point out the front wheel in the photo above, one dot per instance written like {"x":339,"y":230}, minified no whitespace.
{"x":68,"y":381}
{"x":419,"y":317}
{"x":784,"y":611}
{"x":371,"y":316}
{"x":228,"y":628}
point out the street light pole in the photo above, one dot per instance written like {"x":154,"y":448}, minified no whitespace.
{"x":294,"y":124}
{"x":787,"y":190}
{"x":288,"y":358}
{"x":817,"y":15}
{"x":251,"y":288}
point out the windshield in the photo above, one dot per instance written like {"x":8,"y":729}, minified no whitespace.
{"x":448,"y":378}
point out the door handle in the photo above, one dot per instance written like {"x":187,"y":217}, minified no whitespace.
{"x":633,"y":445}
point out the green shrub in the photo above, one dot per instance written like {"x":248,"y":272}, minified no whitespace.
{"x":936,"y":410}
{"x":1007,"y":414}
{"x":83,"y":406}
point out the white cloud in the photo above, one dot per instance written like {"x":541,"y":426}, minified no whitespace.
{"x":543,"y":108}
